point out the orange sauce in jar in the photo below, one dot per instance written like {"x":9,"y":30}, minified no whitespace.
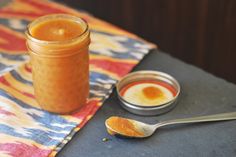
{"x":56,"y":30}
{"x":58,"y":47}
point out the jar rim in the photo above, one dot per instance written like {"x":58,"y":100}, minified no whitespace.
{"x":54,"y":16}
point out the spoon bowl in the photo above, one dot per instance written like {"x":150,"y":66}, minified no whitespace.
{"x":146,"y":129}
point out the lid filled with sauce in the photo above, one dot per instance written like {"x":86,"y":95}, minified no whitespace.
{"x":148,"y":92}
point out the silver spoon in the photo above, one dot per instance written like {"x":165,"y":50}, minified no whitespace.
{"x":146,"y":130}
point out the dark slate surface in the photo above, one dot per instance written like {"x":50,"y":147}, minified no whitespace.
{"x":202,"y":93}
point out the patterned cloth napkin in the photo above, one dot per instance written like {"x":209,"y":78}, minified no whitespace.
{"x":25,"y":129}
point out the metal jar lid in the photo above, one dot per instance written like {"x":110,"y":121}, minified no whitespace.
{"x":151,"y":76}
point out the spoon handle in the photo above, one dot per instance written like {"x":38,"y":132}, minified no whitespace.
{"x":209,"y":118}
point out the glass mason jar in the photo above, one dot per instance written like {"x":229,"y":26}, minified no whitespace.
{"x":60,"y":69}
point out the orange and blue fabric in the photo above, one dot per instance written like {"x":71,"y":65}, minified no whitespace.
{"x":25,"y":129}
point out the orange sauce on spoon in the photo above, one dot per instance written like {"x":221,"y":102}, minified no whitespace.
{"x":123,"y":126}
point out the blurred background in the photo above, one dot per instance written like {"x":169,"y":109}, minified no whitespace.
{"x":199,"y":32}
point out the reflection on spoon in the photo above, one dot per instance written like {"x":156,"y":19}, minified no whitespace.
{"x":135,"y":129}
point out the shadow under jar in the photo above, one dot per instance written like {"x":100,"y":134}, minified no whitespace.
{"x":58,"y":47}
